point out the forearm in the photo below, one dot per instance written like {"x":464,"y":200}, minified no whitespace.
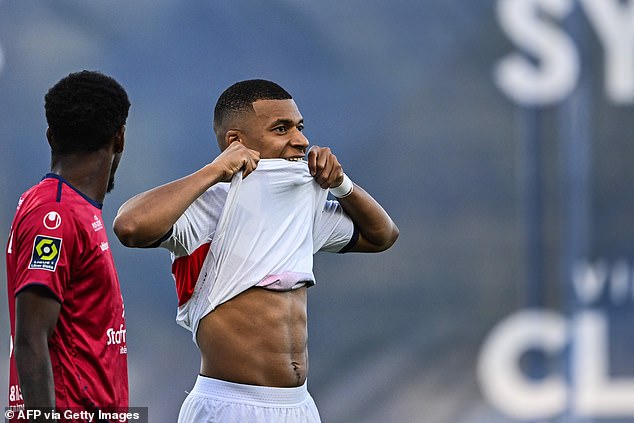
{"x":377,"y":231}
{"x":35,"y":373}
{"x":36,"y":314}
{"x":146,"y":217}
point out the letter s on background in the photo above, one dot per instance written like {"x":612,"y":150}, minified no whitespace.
{"x":556,"y":72}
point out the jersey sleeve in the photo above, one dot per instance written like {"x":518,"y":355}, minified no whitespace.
{"x":44,"y":242}
{"x":334,"y":231}
{"x":196,"y":226}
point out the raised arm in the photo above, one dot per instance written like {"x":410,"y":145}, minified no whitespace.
{"x":147,"y":217}
{"x":377,"y":231}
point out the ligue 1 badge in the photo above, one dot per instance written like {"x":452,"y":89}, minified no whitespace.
{"x":52,"y":220}
{"x":46,"y":252}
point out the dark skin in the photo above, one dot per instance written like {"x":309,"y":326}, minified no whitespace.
{"x":258,"y":337}
{"x":36,"y":316}
{"x":37,"y":310}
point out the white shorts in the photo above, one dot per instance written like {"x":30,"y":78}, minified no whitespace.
{"x":217,"y":401}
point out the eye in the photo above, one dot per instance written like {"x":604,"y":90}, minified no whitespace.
{"x":280,"y":129}
{"x":300,"y":127}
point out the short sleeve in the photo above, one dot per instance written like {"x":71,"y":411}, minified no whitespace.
{"x":197,"y":225}
{"x":44,"y":241}
{"x":334,"y":231}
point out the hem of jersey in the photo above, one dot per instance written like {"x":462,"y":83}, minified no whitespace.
{"x":48,"y":288}
{"x":161,"y":240}
{"x":352,"y":242}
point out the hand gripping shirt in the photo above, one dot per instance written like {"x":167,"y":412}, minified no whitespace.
{"x":259,"y":231}
{"x":58,"y":241}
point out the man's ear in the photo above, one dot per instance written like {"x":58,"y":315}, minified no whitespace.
{"x":232,"y":135}
{"x":49,"y":137}
{"x":119,"y":140}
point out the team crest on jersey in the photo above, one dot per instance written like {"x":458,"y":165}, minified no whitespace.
{"x":46,"y":252}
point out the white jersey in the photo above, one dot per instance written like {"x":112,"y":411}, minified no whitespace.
{"x":260,"y":231}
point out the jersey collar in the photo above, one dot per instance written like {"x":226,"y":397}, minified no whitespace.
{"x":64,"y":181}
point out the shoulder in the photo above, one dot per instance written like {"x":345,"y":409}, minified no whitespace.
{"x":198,"y":224}
{"x":217,"y":192}
{"x":44,"y":215}
{"x":212,"y":201}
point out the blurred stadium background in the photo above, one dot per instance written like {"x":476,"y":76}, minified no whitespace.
{"x":498,"y":134}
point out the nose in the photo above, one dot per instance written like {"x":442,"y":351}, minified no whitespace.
{"x":300,"y":141}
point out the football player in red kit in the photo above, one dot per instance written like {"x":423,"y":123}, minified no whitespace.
{"x":68,"y":333}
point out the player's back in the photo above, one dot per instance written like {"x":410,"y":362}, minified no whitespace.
{"x":58,"y":240}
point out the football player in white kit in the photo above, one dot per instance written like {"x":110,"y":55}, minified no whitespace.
{"x":242,"y":231}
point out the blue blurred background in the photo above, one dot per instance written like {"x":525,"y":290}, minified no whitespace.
{"x":498,"y":135}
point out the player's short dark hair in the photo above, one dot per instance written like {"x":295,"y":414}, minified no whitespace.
{"x":84,"y":111}
{"x":240,"y":97}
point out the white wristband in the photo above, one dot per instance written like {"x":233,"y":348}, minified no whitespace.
{"x":343,"y":190}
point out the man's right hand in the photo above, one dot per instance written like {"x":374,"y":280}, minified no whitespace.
{"x":234,"y":158}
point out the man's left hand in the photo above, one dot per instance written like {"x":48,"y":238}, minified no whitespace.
{"x":325,"y":167}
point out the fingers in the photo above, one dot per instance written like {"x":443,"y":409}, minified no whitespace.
{"x":325,"y":167}
{"x":236,"y":157}
{"x":312,"y":159}
{"x":322,"y":164}
{"x":251,"y":162}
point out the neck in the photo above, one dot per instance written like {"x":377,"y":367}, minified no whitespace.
{"x":87,"y":172}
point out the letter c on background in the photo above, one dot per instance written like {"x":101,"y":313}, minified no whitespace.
{"x":501,"y":379}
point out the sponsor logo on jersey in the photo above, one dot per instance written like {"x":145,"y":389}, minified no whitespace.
{"x":46,"y":252}
{"x":117,"y":337}
{"x":96,"y":224}
{"x":52,"y":220}
{"x":104,"y":246}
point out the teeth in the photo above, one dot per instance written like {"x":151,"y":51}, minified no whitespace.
{"x":295,"y":159}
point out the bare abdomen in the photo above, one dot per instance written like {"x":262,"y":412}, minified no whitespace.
{"x":257,"y":338}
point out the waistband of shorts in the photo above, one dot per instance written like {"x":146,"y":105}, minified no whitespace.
{"x":265,"y":395}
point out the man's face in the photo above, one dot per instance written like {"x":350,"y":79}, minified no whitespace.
{"x":275,"y":130}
